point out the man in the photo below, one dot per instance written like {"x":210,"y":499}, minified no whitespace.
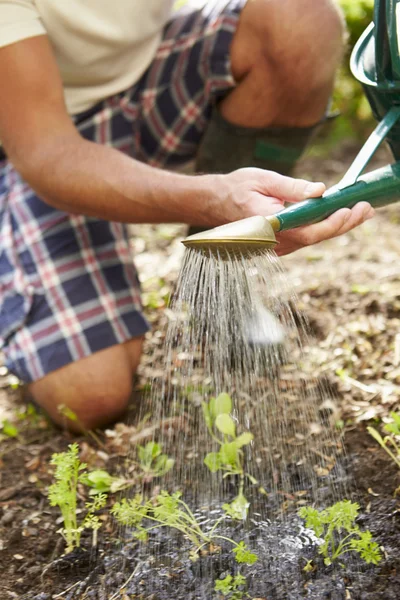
{"x":96,"y":98}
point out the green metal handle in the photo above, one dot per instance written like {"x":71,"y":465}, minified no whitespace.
{"x":379,"y":188}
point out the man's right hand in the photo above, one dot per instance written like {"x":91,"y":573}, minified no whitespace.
{"x":250,"y":192}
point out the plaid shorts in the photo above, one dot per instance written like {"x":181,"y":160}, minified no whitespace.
{"x":68,"y":284}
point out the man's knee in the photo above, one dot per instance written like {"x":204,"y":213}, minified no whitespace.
{"x":92,"y":392}
{"x":294,"y":39}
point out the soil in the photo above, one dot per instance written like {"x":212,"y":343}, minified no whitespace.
{"x":349,"y":289}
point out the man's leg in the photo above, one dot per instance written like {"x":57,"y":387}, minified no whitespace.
{"x":284,"y":57}
{"x":96,"y":388}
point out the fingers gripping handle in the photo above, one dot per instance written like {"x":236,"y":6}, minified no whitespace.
{"x":379,"y":188}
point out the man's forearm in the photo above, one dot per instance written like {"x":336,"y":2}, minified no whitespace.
{"x":86,"y":178}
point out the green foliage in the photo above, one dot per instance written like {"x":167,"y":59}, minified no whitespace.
{"x":152,"y":461}
{"x":356,"y":118}
{"x":230,"y":586}
{"x":229,"y":458}
{"x":8,"y":429}
{"x":358,"y":14}
{"x":339,"y":532}
{"x":63,"y":493}
{"x":391,"y":442}
{"x":169,"y":510}
{"x":243,"y":554}
{"x":101,"y":482}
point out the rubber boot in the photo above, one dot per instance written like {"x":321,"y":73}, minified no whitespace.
{"x":226,"y":147}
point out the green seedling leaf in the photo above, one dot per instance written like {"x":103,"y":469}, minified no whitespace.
{"x":309,"y":567}
{"x":395,"y":426}
{"x":213,"y":461}
{"x":162,"y":465}
{"x":67,"y":413}
{"x":238,"y":508}
{"x":229,"y":586}
{"x":396,"y":419}
{"x":376,"y":435}
{"x":222,"y":405}
{"x":9,"y":429}
{"x":226,"y":425}
{"x":229,"y":454}
{"x":148,"y":453}
{"x":313,"y":519}
{"x":243,"y":554}
{"x":244,"y":439}
{"x":100,"y":481}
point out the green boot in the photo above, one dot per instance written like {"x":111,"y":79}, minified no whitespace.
{"x":226,"y":147}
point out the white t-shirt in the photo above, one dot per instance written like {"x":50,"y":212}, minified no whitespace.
{"x":101,"y":46}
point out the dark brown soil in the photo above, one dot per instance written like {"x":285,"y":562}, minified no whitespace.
{"x":350,"y":291}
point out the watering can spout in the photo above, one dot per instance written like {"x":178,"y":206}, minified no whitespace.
{"x":253,"y":233}
{"x":379,"y":188}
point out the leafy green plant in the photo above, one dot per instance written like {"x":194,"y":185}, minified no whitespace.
{"x":101,"y":482}
{"x":63,"y":493}
{"x":169,"y":510}
{"x":229,"y":458}
{"x":389,"y":443}
{"x":340,"y":534}
{"x":231,"y":586}
{"x":152,"y":461}
{"x":9,"y":429}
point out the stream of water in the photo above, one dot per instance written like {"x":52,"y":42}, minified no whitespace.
{"x":233,"y":328}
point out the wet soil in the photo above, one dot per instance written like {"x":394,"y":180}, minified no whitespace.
{"x":349,"y":289}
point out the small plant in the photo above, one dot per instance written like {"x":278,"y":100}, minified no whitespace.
{"x":63,"y":493}
{"x":340,"y":534}
{"x":229,"y":458}
{"x":389,"y":443}
{"x":152,"y":461}
{"x":8,"y":429}
{"x":70,"y":415}
{"x":231,"y":586}
{"x":101,"y":482}
{"x":169,"y":510}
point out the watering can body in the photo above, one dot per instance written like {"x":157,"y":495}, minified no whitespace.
{"x":375,"y":62}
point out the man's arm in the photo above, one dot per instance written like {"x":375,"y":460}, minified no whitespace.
{"x":82,"y":177}
{"x":71,"y":173}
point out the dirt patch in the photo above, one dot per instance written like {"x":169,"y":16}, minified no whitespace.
{"x":349,"y":289}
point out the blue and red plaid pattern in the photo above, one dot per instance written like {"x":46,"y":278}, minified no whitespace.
{"x":68,"y":284}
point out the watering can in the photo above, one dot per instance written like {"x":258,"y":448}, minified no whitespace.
{"x":375,"y":62}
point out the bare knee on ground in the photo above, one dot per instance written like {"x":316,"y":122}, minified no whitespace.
{"x":97,"y":388}
{"x":284,"y":55}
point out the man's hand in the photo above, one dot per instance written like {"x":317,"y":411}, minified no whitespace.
{"x":249,"y":192}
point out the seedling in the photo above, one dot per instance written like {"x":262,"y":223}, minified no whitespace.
{"x":230,"y":586}
{"x":169,"y":510}
{"x":153,"y":462}
{"x":8,"y":429}
{"x":390,"y":443}
{"x":101,"y":482}
{"x":70,"y":415}
{"x":340,"y":534}
{"x":63,"y":493}
{"x":229,"y":458}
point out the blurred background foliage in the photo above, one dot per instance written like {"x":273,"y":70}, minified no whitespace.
{"x":356,"y":120}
